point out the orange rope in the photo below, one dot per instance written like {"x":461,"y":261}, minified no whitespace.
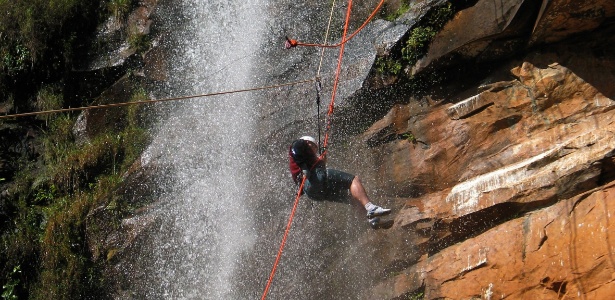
{"x":290,"y":43}
{"x":337,"y":79}
{"x":330,"y":112}
{"x":153,"y":100}
{"x":290,"y":221}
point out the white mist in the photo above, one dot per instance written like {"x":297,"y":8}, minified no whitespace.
{"x":205,"y":222}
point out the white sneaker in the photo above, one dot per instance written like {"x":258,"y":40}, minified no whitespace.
{"x":377,"y":211}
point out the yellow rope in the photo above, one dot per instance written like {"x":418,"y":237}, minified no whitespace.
{"x":322,"y":53}
{"x":153,"y":101}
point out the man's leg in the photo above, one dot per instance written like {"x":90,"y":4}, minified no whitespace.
{"x":338,"y":179}
{"x":358,"y":191}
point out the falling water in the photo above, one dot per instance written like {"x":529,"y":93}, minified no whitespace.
{"x":205,"y":223}
{"x":222,"y":190}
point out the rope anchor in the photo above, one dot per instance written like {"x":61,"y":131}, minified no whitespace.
{"x":290,"y":43}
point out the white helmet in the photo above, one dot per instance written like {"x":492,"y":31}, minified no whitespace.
{"x":309,"y":139}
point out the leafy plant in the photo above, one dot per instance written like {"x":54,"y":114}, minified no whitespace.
{"x":46,"y":195}
{"x":410,"y":137}
{"x":15,"y":58}
{"x":8,"y":290}
{"x":417,"y":43}
{"x":439,"y":17}
{"x":28,"y":26}
{"x":422,"y":35}
{"x":416,"y":296}
{"x":138,"y":41}
{"x":388,"y":66}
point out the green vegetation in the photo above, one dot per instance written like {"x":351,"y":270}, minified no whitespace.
{"x":29,"y":28}
{"x":138,"y":41}
{"x":388,"y":66}
{"x":403,"y":8}
{"x":417,"y":43}
{"x":49,"y":97}
{"x":46,"y":222}
{"x":409,"y":137}
{"x":418,"y":40}
{"x":39,"y":41}
{"x":15,"y":57}
{"x":119,"y":9}
{"x":416,"y":296}
{"x":8,"y":290}
{"x":52,"y":206}
{"x":422,"y":35}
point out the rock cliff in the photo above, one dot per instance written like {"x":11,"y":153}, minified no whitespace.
{"x":501,"y":173}
{"x":511,"y":195}
{"x":504,"y":185}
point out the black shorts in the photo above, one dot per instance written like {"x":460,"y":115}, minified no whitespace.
{"x":328,"y":184}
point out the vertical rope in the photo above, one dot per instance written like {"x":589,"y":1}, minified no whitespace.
{"x":337,"y":76}
{"x":277,"y":259}
{"x":318,"y":85}
{"x":318,"y":88}
{"x":322,"y":53}
{"x":330,"y":112}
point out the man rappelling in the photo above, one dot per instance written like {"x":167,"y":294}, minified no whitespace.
{"x":328,"y":184}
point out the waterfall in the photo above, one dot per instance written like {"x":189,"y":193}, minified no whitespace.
{"x":223,"y":192}
{"x":205,"y":223}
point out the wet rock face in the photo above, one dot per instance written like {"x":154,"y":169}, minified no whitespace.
{"x":560,"y":19}
{"x":500,"y":193}
{"x":493,"y":30}
{"x":515,"y":179}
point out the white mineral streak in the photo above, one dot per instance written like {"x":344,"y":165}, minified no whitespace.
{"x":465,"y":195}
{"x":602,"y":101}
{"x":568,"y":157}
{"x":489,"y":292}
{"x":467,"y":106}
{"x":482,"y":260}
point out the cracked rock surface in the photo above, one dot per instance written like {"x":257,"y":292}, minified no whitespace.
{"x":514,"y":197}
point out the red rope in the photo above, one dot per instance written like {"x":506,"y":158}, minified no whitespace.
{"x":290,"y":43}
{"x":336,"y":81}
{"x":277,"y":259}
{"x":329,"y":113}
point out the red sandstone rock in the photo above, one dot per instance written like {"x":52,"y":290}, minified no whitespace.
{"x":560,"y":252}
{"x":515,"y":191}
{"x":561,"y":18}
